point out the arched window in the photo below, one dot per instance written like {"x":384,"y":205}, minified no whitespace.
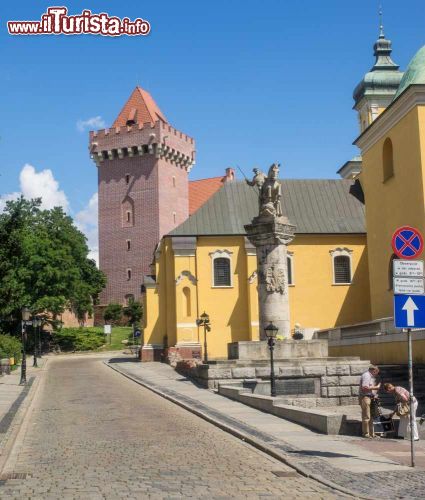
{"x":341,"y":263}
{"x":289,"y":261}
{"x":129,"y":274}
{"x":187,"y":306}
{"x":388,"y":160}
{"x":221,"y":268}
{"x":127,"y":212}
{"x":129,"y":298}
{"x":222,"y":271}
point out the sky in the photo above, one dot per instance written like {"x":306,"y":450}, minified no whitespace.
{"x":253,"y":83}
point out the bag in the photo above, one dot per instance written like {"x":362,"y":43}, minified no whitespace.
{"x":402,"y":409}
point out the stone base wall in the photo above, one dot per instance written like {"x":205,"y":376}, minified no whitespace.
{"x":337,"y":378}
{"x":152,"y":353}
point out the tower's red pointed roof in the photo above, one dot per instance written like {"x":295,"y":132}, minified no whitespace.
{"x":140,"y":108}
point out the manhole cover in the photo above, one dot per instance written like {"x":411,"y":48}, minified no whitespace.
{"x":13,"y":475}
{"x":285,"y":473}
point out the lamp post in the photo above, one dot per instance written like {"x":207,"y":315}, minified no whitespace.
{"x":271,"y":332}
{"x":25,"y":313}
{"x":40,"y":324}
{"x":204,"y":321}
{"x":36,"y":333}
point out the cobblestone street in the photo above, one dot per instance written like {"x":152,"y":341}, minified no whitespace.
{"x":93,"y":434}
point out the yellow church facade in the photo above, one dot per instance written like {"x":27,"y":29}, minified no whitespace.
{"x":340,"y":262}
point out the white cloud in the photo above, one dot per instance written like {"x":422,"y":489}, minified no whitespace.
{"x":8,"y":197}
{"x":95,"y":122}
{"x":86,"y":221}
{"x":42,"y":185}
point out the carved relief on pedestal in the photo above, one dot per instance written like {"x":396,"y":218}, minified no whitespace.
{"x":274,"y":279}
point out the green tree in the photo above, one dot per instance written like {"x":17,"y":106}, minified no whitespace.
{"x":112,"y":313}
{"x":43,"y":262}
{"x":134,"y":311}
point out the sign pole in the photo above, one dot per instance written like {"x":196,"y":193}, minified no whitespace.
{"x":412,"y":415}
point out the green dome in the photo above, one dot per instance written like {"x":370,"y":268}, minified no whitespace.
{"x":415,"y":73}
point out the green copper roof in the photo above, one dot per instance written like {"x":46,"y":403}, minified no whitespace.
{"x":385,"y":75}
{"x":315,"y":206}
{"x":415,"y":73}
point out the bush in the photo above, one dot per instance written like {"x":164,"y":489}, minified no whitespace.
{"x":10,"y":347}
{"x":78,"y":339}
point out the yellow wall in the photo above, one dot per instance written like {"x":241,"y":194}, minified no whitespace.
{"x":383,"y":353}
{"x":397,"y":202}
{"x":314,"y":301}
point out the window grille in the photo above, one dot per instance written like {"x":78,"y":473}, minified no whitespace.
{"x":222,"y":272}
{"x":342,"y":271}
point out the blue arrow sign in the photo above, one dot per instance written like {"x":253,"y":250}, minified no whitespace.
{"x":409,"y":311}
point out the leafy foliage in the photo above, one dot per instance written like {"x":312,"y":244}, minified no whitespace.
{"x":78,"y":339}
{"x":10,"y":347}
{"x":112,"y":313}
{"x":43,"y":263}
{"x":134,"y":312}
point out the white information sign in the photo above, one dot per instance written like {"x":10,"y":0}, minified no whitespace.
{"x":409,"y":286}
{"x":107,"y":329}
{"x":408,"y":268}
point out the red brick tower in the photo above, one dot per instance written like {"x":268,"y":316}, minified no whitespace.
{"x":143,"y":165}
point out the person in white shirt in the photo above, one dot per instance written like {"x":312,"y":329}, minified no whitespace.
{"x":368,"y":389}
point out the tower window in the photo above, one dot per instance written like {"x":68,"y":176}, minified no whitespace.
{"x":128,"y":274}
{"x":388,"y":160}
{"x":174,"y":182}
{"x":127,"y":178}
{"x":174,"y":217}
{"x":128,"y":245}
{"x":128,"y":215}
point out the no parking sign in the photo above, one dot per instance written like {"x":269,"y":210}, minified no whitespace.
{"x":407,"y":242}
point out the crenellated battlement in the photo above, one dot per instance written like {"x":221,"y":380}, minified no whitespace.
{"x":159,"y":139}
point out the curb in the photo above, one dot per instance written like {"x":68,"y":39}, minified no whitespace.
{"x":21,"y":423}
{"x":260,"y":445}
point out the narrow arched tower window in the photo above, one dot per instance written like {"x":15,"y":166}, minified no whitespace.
{"x":388,"y":160}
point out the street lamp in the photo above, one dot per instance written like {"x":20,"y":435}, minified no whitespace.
{"x":25,"y":313}
{"x":271,"y":332}
{"x":204,"y":321}
{"x":36,"y":322}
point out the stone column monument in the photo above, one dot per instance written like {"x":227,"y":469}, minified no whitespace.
{"x":271,"y":232}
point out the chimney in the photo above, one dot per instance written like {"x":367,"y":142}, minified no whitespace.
{"x":230,"y":174}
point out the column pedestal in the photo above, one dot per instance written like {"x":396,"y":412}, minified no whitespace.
{"x":270,"y":236}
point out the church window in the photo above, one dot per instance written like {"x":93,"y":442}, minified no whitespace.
{"x":341,"y":263}
{"x":129,"y":274}
{"x":221,"y":268}
{"x":290,"y":262}
{"x":222,"y":271}
{"x":388,"y":160}
{"x":128,"y":245}
{"x":187,"y":306}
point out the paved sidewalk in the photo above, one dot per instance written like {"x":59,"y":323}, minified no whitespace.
{"x":13,"y":403}
{"x":353,"y":464}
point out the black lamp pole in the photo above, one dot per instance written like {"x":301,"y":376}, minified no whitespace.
{"x":204,"y":321}
{"x":25,"y":318}
{"x":34,"y":327}
{"x":271,"y":332}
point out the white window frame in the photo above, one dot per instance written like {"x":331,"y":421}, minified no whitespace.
{"x":290,"y":256}
{"x":342,"y":252}
{"x":221,"y":254}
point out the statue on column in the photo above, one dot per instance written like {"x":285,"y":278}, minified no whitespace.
{"x":270,"y":191}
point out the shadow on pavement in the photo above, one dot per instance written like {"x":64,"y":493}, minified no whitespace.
{"x":126,"y":359}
